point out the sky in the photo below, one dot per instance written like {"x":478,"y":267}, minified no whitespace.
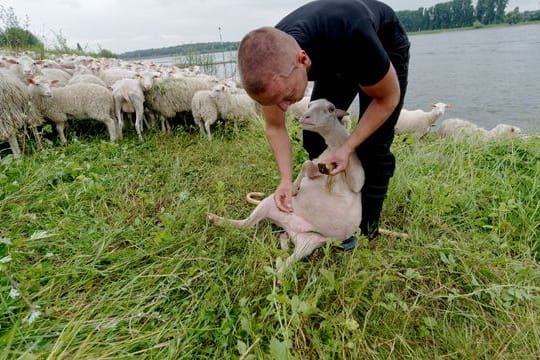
{"x":126,"y":25}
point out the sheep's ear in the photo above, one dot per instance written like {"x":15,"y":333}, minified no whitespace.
{"x":12,"y":61}
{"x":138,"y":75}
{"x":341,"y":113}
{"x":29,"y":81}
{"x":38,"y":62}
{"x":54,"y":81}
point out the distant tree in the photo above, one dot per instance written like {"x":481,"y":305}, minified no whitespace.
{"x":16,"y":37}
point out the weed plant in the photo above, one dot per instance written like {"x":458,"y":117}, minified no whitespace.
{"x":106,"y":253}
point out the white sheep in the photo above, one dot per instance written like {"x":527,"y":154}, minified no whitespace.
{"x":24,"y":67}
{"x":300,"y":107}
{"x":235,"y":107}
{"x":128,"y":98}
{"x":205,"y":112}
{"x":502,"y":131}
{"x":460,"y":129}
{"x":86,"y":78}
{"x":419,"y":121}
{"x":110,"y":76}
{"x":170,"y":96}
{"x":54,"y":74}
{"x":16,"y":111}
{"x":77,"y":101}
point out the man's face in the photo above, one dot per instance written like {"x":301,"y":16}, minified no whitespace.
{"x":284,"y":90}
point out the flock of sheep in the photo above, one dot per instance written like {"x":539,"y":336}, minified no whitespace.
{"x":80,"y":87}
{"x":421,"y":122}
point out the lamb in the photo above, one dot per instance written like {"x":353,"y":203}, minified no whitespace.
{"x":324,"y":207}
{"x":129,"y":98}
{"x":16,"y":111}
{"x":173,"y":95}
{"x":419,"y":121}
{"x":77,"y":101}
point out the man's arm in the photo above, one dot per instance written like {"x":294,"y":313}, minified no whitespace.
{"x":385,"y":97}
{"x":278,"y":138}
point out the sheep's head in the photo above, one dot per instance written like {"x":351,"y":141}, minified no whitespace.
{"x":321,"y":116}
{"x":42,"y":87}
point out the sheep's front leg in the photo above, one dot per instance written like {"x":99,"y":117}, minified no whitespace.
{"x":60,"y":129}
{"x":14,"y":145}
{"x":308,"y":169}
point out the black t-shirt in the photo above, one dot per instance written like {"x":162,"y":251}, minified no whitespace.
{"x":346,"y":38}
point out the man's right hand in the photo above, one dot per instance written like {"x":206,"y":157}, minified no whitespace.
{"x":283,"y":196}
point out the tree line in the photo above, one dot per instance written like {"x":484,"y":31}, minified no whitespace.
{"x":462,"y":13}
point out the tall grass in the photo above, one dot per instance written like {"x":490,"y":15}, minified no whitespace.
{"x":110,"y":244}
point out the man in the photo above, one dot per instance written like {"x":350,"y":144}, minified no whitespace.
{"x":347,"y":47}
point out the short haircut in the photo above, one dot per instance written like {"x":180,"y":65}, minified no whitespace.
{"x":264,"y":53}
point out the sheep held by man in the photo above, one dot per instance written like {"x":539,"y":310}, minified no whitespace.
{"x":325,"y":207}
{"x":419,"y":121}
{"x":77,"y":102}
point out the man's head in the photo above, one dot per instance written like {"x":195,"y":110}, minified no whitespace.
{"x":273,"y":67}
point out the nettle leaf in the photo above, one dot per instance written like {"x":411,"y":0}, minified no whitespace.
{"x":279,"y":349}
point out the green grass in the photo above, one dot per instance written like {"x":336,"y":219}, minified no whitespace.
{"x":109,"y":241}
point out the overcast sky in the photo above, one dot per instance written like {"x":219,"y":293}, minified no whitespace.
{"x":125,"y":25}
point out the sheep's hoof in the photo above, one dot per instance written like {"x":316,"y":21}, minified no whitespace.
{"x":214,"y":219}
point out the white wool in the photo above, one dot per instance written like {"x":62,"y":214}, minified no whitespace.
{"x":419,"y":121}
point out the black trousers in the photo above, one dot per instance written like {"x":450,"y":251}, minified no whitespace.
{"x":374,"y":153}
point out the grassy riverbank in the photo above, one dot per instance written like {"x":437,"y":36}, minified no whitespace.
{"x":107,"y":246}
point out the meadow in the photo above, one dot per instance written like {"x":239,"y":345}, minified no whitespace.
{"x":106,"y":253}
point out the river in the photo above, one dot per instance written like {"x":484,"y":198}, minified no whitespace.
{"x":488,"y":76}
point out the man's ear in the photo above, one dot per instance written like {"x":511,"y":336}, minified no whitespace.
{"x":302,"y":57}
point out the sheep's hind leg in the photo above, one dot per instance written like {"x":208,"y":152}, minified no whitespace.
{"x":304,"y":245}
{"x":261,"y":212}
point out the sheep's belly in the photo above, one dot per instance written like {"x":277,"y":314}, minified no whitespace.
{"x":335,"y":214}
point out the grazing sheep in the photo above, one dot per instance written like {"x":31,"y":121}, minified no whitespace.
{"x":502,"y":131}
{"x":325,"y":207}
{"x":235,"y":107}
{"x":16,"y":111}
{"x":128,"y":98}
{"x":460,"y":129}
{"x":419,"y":121}
{"x":78,"y":101}
{"x":173,"y":95}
